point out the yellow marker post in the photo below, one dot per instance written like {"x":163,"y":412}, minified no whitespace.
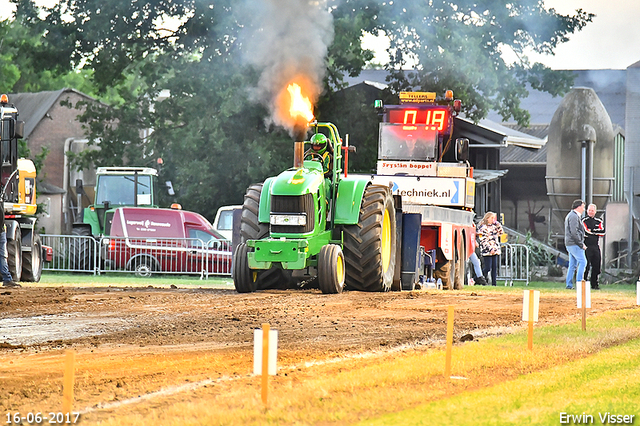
{"x":447,"y":365}
{"x":265,"y":362}
{"x":69,"y":377}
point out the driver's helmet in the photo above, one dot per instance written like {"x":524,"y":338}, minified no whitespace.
{"x":319,"y":142}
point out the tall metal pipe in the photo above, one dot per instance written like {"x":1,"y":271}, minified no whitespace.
{"x":298,"y":154}
{"x":590,"y":145}
{"x":583,"y":171}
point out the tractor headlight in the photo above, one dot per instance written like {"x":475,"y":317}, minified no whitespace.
{"x":288,"y":219}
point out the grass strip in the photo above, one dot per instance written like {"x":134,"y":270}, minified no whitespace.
{"x":589,"y":390}
{"x":569,"y":370}
{"x":58,"y":279}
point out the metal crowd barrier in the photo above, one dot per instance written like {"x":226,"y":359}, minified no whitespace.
{"x":514,"y":264}
{"x":141,"y":256}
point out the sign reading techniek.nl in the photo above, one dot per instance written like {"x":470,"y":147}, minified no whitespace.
{"x":426,"y":190}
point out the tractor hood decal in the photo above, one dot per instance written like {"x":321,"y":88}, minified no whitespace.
{"x":297,"y":182}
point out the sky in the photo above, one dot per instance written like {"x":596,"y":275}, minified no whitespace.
{"x":611,"y":41}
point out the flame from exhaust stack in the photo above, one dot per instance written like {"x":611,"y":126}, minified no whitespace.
{"x":300,"y":105}
{"x":287,"y":41}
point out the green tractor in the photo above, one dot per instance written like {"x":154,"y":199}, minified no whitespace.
{"x":314,"y":220}
{"x":115,"y":187}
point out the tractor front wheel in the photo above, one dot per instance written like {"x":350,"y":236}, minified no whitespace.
{"x":370,"y":245}
{"x":14,"y":255}
{"x":252,"y":229}
{"x":331,"y":269}
{"x":243,"y":277}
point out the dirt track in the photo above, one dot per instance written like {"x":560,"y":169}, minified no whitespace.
{"x":132,"y":341}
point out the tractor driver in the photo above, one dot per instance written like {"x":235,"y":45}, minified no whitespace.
{"x":321,"y":151}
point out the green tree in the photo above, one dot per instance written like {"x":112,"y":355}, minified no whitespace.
{"x":213,"y":135}
{"x":459,"y":45}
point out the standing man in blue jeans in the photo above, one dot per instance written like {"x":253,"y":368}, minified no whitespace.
{"x":574,"y":242}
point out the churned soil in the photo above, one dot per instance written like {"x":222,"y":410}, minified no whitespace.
{"x":134,"y":341}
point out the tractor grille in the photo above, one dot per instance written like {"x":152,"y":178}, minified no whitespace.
{"x":293,"y":204}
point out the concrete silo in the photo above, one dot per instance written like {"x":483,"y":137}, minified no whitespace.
{"x":580,"y":151}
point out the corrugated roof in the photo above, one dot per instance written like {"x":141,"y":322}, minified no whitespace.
{"x":485,"y":176}
{"x":540,"y":131}
{"x":514,"y":154}
{"x":497,"y":133}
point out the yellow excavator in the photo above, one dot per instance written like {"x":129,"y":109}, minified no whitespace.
{"x":26,"y":254}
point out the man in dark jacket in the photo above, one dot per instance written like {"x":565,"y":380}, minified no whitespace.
{"x":593,"y":229}
{"x":574,"y":242}
{"x":7,"y":280}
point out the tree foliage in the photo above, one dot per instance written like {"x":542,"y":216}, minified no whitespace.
{"x":213,"y":136}
{"x":459,"y":45}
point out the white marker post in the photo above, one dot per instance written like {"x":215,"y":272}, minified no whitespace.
{"x":265,"y":354}
{"x":584,"y":289}
{"x":530,"y":308}
{"x":638,"y":293}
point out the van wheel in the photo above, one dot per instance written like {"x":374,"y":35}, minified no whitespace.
{"x":144,"y":267}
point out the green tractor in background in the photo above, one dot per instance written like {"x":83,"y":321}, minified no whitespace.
{"x":314,"y":220}
{"x":115,"y":187}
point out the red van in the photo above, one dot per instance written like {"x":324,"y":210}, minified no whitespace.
{"x":148,"y":240}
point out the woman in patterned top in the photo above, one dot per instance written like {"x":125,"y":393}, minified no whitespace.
{"x":489,"y":231}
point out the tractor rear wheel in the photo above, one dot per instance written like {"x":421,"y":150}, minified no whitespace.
{"x":252,"y":229}
{"x":81,"y":249}
{"x":33,"y":261}
{"x":14,"y":255}
{"x":331,"y":269}
{"x":370,"y":245}
{"x":244,"y":278}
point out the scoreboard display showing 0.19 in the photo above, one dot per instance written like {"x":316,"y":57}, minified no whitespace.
{"x":434,"y":118}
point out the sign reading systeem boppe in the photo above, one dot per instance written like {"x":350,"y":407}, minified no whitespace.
{"x":411,"y":168}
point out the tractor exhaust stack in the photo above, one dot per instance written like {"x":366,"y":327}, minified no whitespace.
{"x":298,"y":146}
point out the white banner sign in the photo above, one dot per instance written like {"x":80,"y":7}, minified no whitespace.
{"x":426,"y":190}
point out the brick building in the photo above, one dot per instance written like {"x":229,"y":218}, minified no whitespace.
{"x":54,"y":126}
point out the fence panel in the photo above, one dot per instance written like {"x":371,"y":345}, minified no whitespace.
{"x":514,"y":263}
{"x":72,"y":253}
{"x":141,"y":256}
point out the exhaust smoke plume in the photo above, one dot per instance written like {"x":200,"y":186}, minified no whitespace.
{"x":287,"y":43}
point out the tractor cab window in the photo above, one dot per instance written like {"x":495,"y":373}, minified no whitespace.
{"x":407,"y":142}
{"x":118,"y":190}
